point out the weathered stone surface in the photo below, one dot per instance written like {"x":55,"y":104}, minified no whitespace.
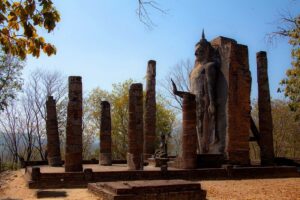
{"x":189,"y":132}
{"x":150,"y":111}
{"x":53,"y":145}
{"x":73,"y":157}
{"x":221,"y":81}
{"x":235,"y":95}
{"x":150,"y":190}
{"x":135,"y":159}
{"x":188,"y":157}
{"x":105,"y":134}
{"x":264,"y":108}
{"x":208,"y":86}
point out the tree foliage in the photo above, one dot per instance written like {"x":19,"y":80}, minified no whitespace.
{"x":118,"y":99}
{"x":291,"y":84}
{"x":286,"y":130}
{"x":19,"y":23}
{"x":10,"y":78}
{"x":286,"y":135}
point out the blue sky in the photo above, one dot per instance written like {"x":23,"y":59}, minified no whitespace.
{"x":104,"y":42}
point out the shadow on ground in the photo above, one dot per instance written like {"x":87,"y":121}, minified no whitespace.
{"x":47,"y":194}
{"x":10,"y":199}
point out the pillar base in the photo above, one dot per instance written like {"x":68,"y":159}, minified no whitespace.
{"x":73,"y":168}
{"x":105,"y":159}
{"x":135,"y":162}
{"x":55,"y":161}
{"x":187,"y":163}
{"x":240,"y":157}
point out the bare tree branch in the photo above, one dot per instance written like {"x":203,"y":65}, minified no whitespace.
{"x":286,"y":23}
{"x":143,"y":12}
{"x":180,"y":74}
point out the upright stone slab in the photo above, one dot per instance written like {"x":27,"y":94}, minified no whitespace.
{"x":73,"y":157}
{"x":236,"y":96}
{"x":135,"y":128}
{"x":189,"y":133}
{"x":53,"y":145}
{"x":264,"y":108}
{"x":105,"y":134}
{"x":150,"y":111}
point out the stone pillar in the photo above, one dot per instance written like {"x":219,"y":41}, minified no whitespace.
{"x":73,"y":157}
{"x":235,"y":89}
{"x":150,"y":111}
{"x":105,"y":134}
{"x":189,"y":133}
{"x":53,"y":145}
{"x":239,"y":106}
{"x":135,"y":159}
{"x":264,"y":108}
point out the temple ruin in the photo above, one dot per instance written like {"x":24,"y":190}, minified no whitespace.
{"x":73,"y":157}
{"x":150,"y":111}
{"x":216,"y":112}
{"x":105,"y":134}
{"x":53,"y":144}
{"x":216,"y":130}
{"x":135,"y":159}
{"x":264,"y":110}
{"x":223,"y":98}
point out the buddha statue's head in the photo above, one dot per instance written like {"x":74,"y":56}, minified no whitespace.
{"x":203,"y":50}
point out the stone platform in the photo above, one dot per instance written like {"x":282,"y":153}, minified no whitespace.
{"x":150,"y":190}
{"x":55,"y":177}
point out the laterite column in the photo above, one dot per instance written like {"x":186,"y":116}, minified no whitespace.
{"x":189,"y":133}
{"x":53,"y":145}
{"x":105,"y":134}
{"x":135,"y":128}
{"x":264,"y":108}
{"x":73,"y":157}
{"x":150,"y":111}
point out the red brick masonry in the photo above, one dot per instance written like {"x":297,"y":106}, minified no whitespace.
{"x":150,"y":111}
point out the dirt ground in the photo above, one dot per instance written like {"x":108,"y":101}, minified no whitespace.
{"x":13,"y":186}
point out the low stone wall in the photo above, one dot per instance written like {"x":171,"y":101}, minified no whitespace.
{"x":93,"y":161}
{"x":36,"y":179}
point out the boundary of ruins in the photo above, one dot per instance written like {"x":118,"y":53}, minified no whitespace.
{"x":39,"y":180}
{"x":228,"y":159}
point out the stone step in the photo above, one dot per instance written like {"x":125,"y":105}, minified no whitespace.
{"x":154,"y":189}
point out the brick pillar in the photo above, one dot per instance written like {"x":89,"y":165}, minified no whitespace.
{"x":239,"y":106}
{"x":235,"y":89}
{"x":189,"y":133}
{"x":53,"y":145}
{"x":73,"y":157}
{"x":264,"y":108}
{"x":150,"y":111}
{"x":135,"y":128}
{"x":105,"y":134}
